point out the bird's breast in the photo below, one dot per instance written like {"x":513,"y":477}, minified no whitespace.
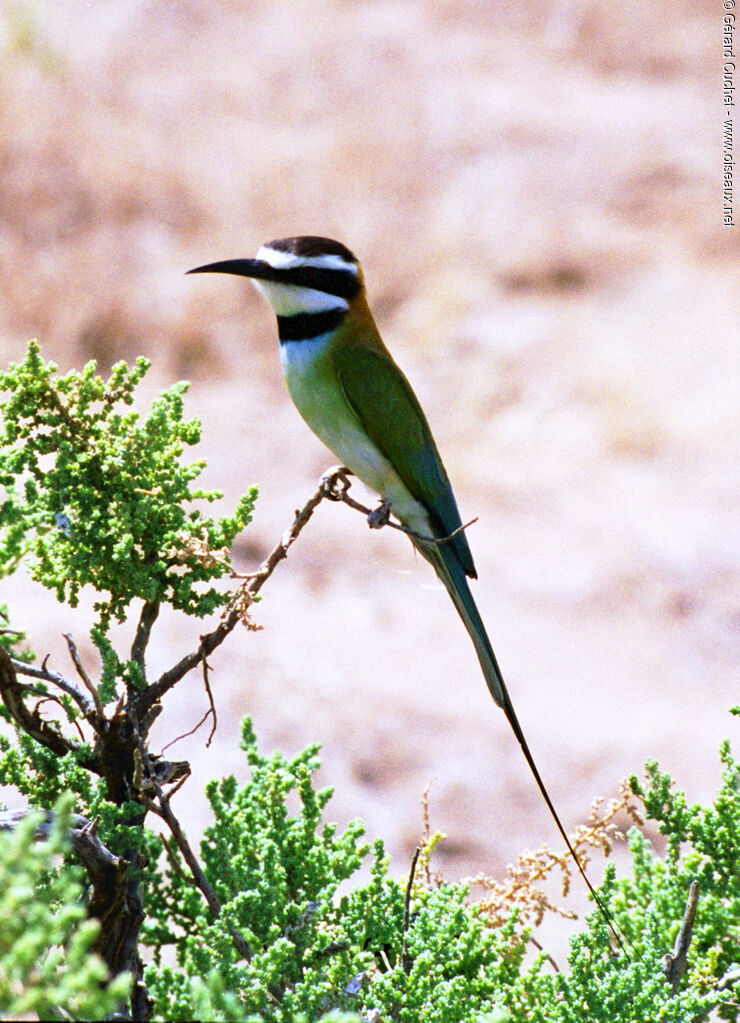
{"x":319,"y":397}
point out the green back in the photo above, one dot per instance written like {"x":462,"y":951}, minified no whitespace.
{"x":382,"y":399}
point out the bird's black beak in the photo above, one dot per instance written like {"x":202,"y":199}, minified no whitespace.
{"x":256,"y":268}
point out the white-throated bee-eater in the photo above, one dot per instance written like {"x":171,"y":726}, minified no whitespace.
{"x":354,"y":397}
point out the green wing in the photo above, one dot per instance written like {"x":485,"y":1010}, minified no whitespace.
{"x":382,"y":399}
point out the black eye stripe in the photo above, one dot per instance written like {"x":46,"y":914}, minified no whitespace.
{"x":342,"y":283}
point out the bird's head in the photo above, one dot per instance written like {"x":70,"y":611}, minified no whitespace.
{"x":300,"y":276}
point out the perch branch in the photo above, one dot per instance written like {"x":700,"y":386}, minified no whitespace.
{"x":334,"y":486}
{"x":336,"y":482}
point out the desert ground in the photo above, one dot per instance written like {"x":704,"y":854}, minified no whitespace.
{"x":535,"y":192}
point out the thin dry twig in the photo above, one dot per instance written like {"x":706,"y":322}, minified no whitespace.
{"x":92,"y":689}
{"x":55,"y":679}
{"x":405,"y":959}
{"x":211,"y":712}
{"x":212,"y":709}
{"x":192,"y":731}
{"x":338,"y":484}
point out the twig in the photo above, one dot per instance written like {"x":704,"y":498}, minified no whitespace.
{"x":207,"y":684}
{"x":675,"y":963}
{"x":55,"y":679}
{"x":92,"y":690}
{"x":211,"y":712}
{"x":12,"y":693}
{"x":540,"y":948}
{"x":337,"y":485}
{"x":190,"y":731}
{"x":405,"y":959}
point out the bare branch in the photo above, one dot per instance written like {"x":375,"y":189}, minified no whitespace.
{"x":12,"y":693}
{"x":405,"y":959}
{"x":333,"y":487}
{"x":337,"y":483}
{"x":55,"y":679}
{"x":92,"y":690}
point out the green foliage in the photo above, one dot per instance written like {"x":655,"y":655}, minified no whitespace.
{"x":702,"y":843}
{"x":11,"y":639}
{"x":277,"y":877}
{"x":43,"y":777}
{"x":97,"y":495}
{"x":606,"y":989}
{"x":47,"y":966}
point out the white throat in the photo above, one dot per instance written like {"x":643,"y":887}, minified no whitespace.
{"x":288,"y":300}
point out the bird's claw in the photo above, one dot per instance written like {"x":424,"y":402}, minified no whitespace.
{"x":379,"y":516}
{"x":335,"y":482}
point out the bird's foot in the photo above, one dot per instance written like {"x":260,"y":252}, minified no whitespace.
{"x":335,"y":482}
{"x":379,"y":516}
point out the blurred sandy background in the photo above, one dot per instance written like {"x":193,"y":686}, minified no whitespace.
{"x":535,"y":194}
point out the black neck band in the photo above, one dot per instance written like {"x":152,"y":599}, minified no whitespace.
{"x":304,"y":326}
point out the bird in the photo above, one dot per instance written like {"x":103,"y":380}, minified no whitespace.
{"x":355,"y":398}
